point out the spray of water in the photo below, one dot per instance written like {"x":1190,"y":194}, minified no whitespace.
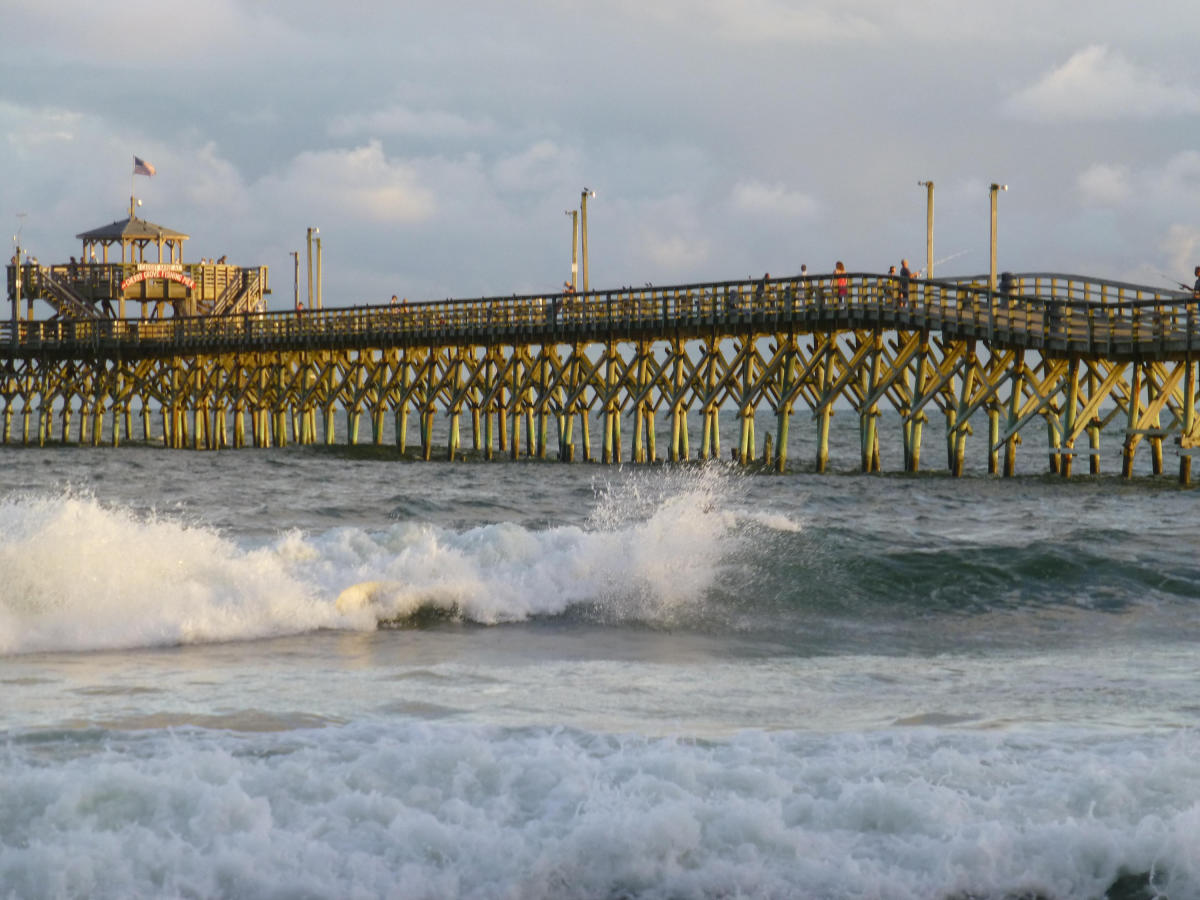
{"x":82,"y":575}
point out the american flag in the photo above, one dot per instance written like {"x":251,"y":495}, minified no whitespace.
{"x":141,"y":167}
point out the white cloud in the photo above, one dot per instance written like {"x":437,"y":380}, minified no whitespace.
{"x":673,"y":253}
{"x":1172,"y":187}
{"x":541,"y":166}
{"x":1097,"y":83}
{"x":29,"y":130}
{"x":758,"y":21}
{"x":156,"y":32}
{"x":1105,"y":185}
{"x":757,"y":198}
{"x":401,"y":120}
{"x":1178,"y":182}
{"x":1182,"y":247}
{"x":360,"y":182}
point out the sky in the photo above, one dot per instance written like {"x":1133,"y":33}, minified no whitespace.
{"x":439,"y":145}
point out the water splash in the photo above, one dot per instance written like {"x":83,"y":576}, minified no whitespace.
{"x":82,"y":575}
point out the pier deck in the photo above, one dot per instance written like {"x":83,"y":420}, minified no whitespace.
{"x":1071,"y":356}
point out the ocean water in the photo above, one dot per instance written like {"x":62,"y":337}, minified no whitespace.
{"x":591,"y":682}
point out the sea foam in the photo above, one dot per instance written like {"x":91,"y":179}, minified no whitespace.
{"x":425,"y":811}
{"x":84,"y":575}
{"x":651,"y":550}
{"x":81,"y":575}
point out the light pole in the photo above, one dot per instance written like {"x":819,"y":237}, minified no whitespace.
{"x":311,"y":232}
{"x":295,"y":255}
{"x":993,"y":191}
{"x":320,"y":271}
{"x":574,"y":214}
{"x":16,"y":310}
{"x":583,"y":237}
{"x":928,"y":185}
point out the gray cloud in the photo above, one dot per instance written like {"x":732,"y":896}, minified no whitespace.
{"x":1100,"y":83}
{"x":437,"y":145}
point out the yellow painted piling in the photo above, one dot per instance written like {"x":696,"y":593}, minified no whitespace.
{"x":638,"y":355}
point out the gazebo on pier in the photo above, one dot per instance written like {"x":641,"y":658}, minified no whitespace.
{"x":104,"y":279}
{"x":133,"y":236}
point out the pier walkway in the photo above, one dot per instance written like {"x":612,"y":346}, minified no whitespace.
{"x":1073,"y":357}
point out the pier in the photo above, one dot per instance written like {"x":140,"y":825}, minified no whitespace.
{"x":1060,"y":362}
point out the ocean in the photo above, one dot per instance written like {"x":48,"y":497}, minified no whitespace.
{"x":593,"y":681}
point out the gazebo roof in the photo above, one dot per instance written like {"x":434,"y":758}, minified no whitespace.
{"x":131,"y":229}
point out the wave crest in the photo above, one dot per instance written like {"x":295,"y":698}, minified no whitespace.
{"x":82,"y":575}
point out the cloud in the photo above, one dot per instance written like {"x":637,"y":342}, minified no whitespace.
{"x":1097,"y":83}
{"x":1181,"y":245}
{"x":1172,"y":187}
{"x":360,"y":183}
{"x":401,"y":120}
{"x":673,"y":252}
{"x":1178,"y":182}
{"x":757,"y":198}
{"x":1105,"y":185}
{"x":1152,"y":207}
{"x":29,"y":130}
{"x":755,"y":21}
{"x":541,"y":166}
{"x":164,"y":32}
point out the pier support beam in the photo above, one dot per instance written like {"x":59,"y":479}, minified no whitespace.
{"x":1188,"y":424}
{"x":825,"y":410}
{"x":1134,"y":417}
{"x":1070,"y":408}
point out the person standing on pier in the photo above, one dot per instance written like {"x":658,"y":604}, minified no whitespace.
{"x":1196,"y":286}
{"x":761,"y":289}
{"x":840,"y":282}
{"x":893,"y":287}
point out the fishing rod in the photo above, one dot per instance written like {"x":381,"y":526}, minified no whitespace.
{"x":1163,"y":275}
{"x":946,"y":259}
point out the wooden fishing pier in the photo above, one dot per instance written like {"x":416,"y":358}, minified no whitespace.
{"x":1060,"y":359}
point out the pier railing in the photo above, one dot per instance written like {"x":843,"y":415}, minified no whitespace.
{"x":1056,"y":314}
{"x":81,"y":290}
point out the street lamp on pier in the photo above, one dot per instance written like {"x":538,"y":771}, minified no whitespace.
{"x":583,"y":234}
{"x":993,"y":191}
{"x":574,"y":214}
{"x":311,"y":232}
{"x":928,"y":185}
{"x":295,"y":255}
{"x":16,"y":308}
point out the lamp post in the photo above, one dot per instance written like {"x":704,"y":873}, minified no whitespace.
{"x":16,"y":309}
{"x":311,"y":232}
{"x":574,"y":214}
{"x":295,"y":255}
{"x":583,"y":235}
{"x":320,"y":271}
{"x":928,"y":185}
{"x":993,"y":191}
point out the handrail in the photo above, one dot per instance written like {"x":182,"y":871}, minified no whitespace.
{"x":61,"y":296}
{"x":1049,"y":312}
